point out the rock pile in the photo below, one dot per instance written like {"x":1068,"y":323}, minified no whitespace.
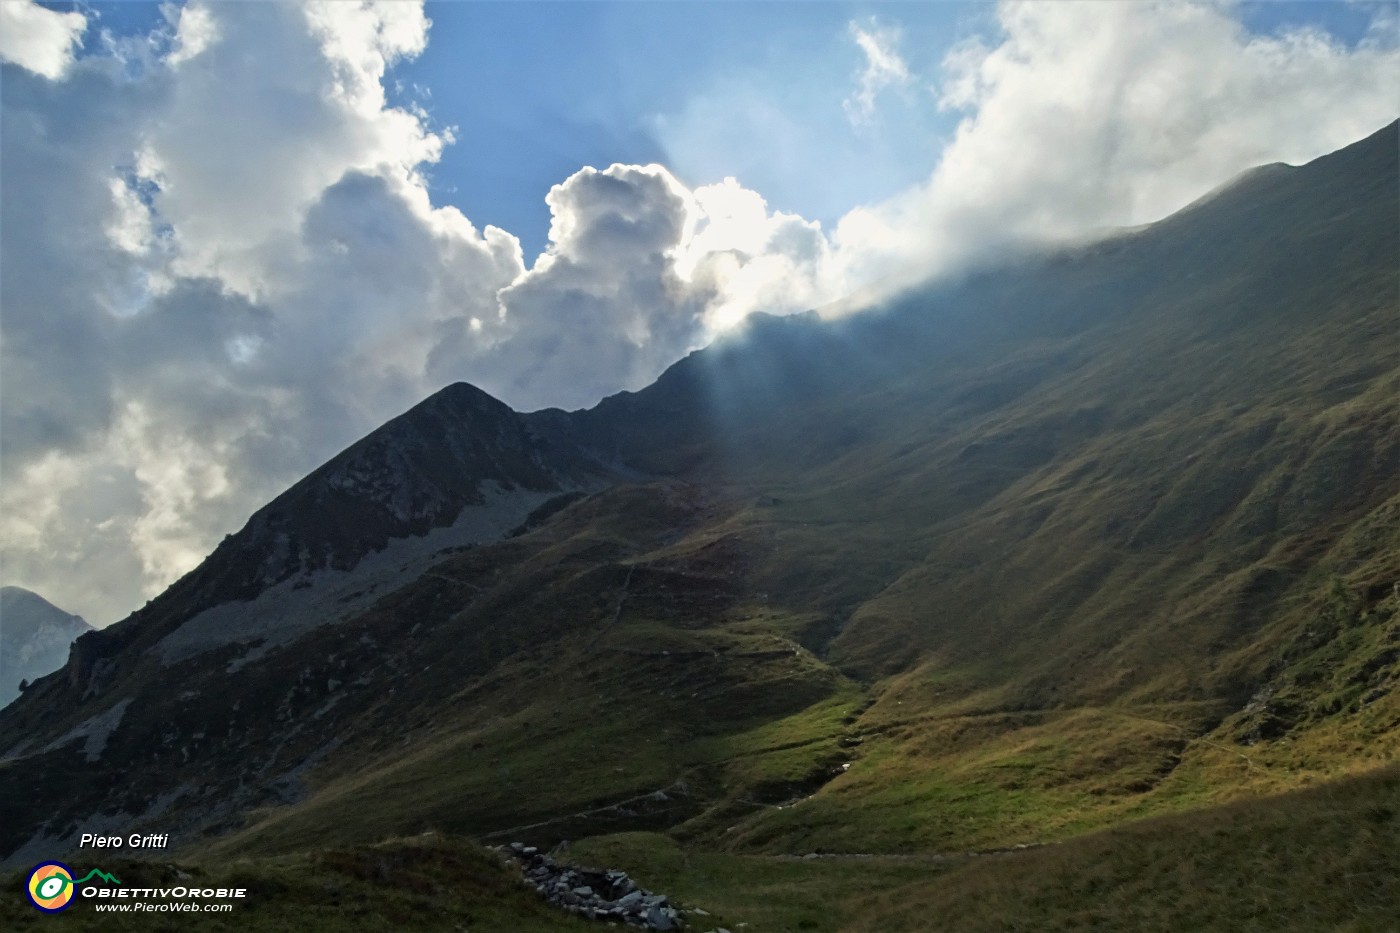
{"x":597,"y":895}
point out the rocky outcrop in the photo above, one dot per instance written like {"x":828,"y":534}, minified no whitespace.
{"x":592,"y":893}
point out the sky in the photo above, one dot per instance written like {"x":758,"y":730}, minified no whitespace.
{"x":235,"y":237}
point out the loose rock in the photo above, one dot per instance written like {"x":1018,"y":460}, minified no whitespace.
{"x":598,"y":895}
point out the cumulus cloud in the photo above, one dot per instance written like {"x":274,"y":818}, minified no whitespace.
{"x":757,"y":259}
{"x":239,"y":151}
{"x":638,"y":271}
{"x":39,"y":39}
{"x":884,"y":68}
{"x":182,"y":334}
{"x":603,"y":307}
{"x":217,"y":274}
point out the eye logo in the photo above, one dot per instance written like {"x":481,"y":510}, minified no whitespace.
{"x":51,"y":886}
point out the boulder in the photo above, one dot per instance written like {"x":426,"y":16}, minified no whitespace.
{"x":658,"y":919}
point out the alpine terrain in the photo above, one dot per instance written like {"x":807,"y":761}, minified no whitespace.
{"x":1065,"y":595}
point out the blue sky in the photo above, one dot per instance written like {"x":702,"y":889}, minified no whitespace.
{"x":539,"y":88}
{"x":596,"y":83}
{"x":535,"y":90}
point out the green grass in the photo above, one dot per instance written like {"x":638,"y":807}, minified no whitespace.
{"x":1319,"y":859}
{"x":1323,"y":859}
{"x":763,"y":893}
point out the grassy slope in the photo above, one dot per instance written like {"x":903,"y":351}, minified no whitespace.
{"x":1318,"y":859}
{"x":1112,"y":580}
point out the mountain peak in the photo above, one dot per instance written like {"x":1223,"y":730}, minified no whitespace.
{"x":458,"y":469}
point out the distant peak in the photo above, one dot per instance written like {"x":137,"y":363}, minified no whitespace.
{"x":19,"y":599}
{"x":20,"y":593}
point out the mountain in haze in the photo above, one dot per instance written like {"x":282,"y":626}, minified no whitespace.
{"x":1100,"y":535}
{"x":34,"y":638}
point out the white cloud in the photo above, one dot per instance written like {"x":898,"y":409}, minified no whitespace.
{"x":884,"y":68}
{"x":195,"y":30}
{"x":239,"y":151}
{"x":603,"y":308}
{"x":182,"y":337}
{"x":39,"y":39}
{"x":1082,"y":117}
{"x":640,"y":270}
{"x":757,"y":260}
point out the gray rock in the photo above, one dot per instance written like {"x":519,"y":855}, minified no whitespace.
{"x":658,"y":919}
{"x":607,"y":895}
